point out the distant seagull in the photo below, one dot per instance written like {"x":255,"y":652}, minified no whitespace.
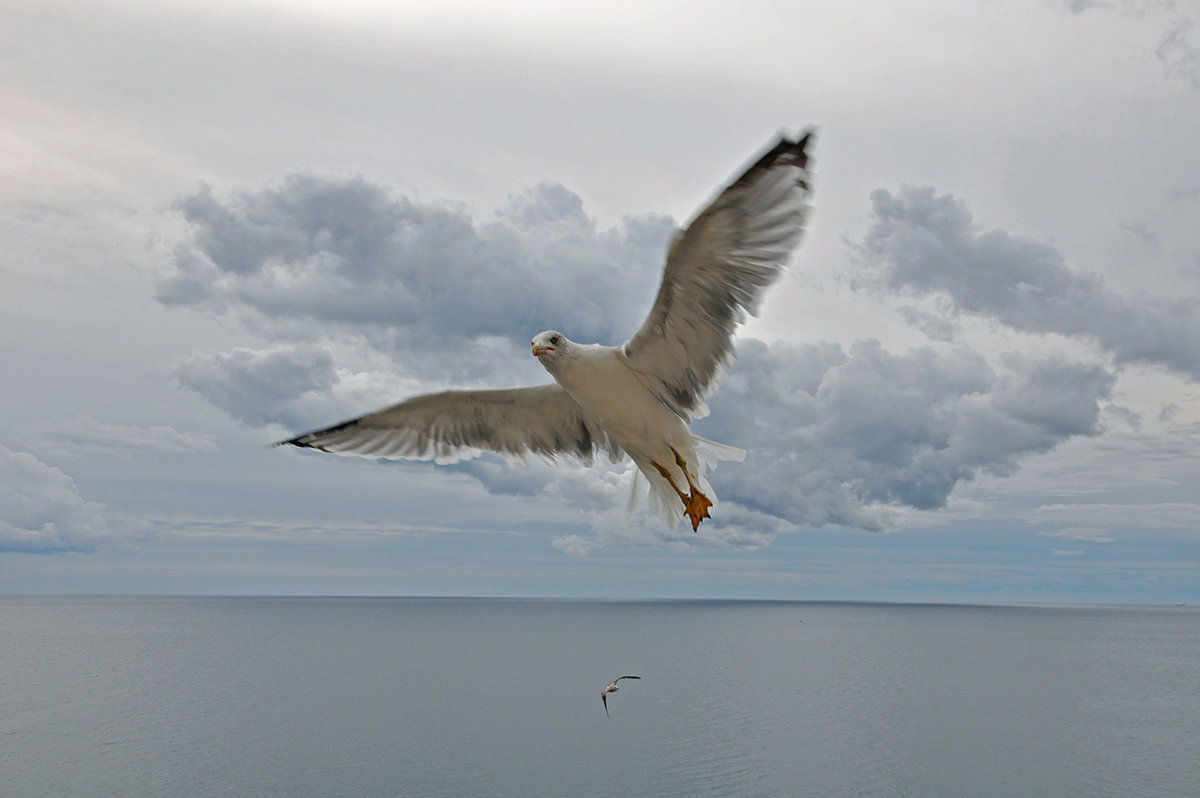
{"x":612,"y":688}
{"x":636,"y":399}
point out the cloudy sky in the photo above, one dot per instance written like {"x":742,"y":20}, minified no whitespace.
{"x":222,"y":223}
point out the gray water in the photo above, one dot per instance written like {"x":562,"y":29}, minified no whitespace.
{"x":302,"y":697}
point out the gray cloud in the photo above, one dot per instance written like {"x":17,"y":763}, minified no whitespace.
{"x":936,"y":327}
{"x":1142,"y":230}
{"x":1175,"y":50}
{"x":1183,"y":196}
{"x":260,"y":387}
{"x":1080,"y":6}
{"x":41,"y":508}
{"x":348,"y":253}
{"x":922,"y":243}
{"x":840,"y":438}
{"x":1053,"y":396}
{"x":419,"y":294}
{"x":1178,"y":54}
{"x":434,"y":295}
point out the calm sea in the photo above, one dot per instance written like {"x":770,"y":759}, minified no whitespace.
{"x":323,"y":697}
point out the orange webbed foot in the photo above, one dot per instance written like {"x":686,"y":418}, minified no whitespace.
{"x":696,"y":508}
{"x":695,"y":503}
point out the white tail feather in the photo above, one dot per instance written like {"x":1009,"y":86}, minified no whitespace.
{"x":661,"y":497}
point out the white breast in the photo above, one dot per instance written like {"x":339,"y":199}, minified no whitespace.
{"x":608,"y":391}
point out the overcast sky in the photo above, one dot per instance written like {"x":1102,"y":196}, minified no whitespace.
{"x":222,"y":223}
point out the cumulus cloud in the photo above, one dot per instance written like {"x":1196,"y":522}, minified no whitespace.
{"x":348,"y":281}
{"x":924,"y":244}
{"x":573,"y":545}
{"x":348,"y":253}
{"x":41,"y":508}
{"x":259,"y":387}
{"x":936,"y":327}
{"x":846,"y":437}
{"x":857,"y":438}
{"x":431,"y":294}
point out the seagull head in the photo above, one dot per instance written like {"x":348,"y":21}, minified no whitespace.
{"x":549,"y":345}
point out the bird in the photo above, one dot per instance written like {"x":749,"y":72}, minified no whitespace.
{"x":612,"y":688}
{"x":637,"y":399}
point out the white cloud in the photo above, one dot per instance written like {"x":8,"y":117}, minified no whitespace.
{"x":853,"y":438}
{"x":1176,"y":50}
{"x":873,"y":430}
{"x":1090,"y":534}
{"x":1084,"y":153}
{"x":41,"y":508}
{"x":349,"y":254}
{"x":1150,"y":520}
{"x":258,"y":387}
{"x":1180,"y":54}
{"x":422,"y":293}
{"x":574,"y":545}
{"x":924,"y":244}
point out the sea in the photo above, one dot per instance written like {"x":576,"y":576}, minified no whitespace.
{"x":197,"y":696}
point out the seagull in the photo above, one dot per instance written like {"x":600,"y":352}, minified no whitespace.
{"x":635,"y":400}
{"x":612,"y":688}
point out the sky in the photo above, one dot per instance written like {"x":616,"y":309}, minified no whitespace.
{"x":226,"y":223}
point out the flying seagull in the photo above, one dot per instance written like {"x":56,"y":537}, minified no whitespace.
{"x":636,"y":399}
{"x":612,"y":688}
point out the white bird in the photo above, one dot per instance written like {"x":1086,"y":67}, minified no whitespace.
{"x":612,"y":688}
{"x":636,"y":399}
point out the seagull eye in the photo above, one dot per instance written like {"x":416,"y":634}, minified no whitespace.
{"x":554,"y":340}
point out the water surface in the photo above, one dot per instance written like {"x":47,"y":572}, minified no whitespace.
{"x":471,"y":697}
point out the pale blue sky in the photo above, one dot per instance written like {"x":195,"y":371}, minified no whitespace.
{"x":223,"y":223}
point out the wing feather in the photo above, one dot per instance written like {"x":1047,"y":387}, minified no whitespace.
{"x":716,"y":271}
{"x":458,"y":425}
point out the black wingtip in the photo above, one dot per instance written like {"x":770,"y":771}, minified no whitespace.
{"x":793,"y":151}
{"x":801,"y":146}
{"x":293,"y":442}
{"x":796,"y":149}
{"x":307,"y":440}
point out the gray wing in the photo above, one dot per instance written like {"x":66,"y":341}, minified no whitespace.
{"x":717,"y":268}
{"x":458,"y":425}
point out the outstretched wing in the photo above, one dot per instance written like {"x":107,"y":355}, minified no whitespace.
{"x":458,"y":425}
{"x":717,"y":268}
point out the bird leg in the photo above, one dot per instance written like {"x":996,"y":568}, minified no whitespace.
{"x":695,"y":503}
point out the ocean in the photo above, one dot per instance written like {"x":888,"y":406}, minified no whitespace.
{"x":183,"y":697}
